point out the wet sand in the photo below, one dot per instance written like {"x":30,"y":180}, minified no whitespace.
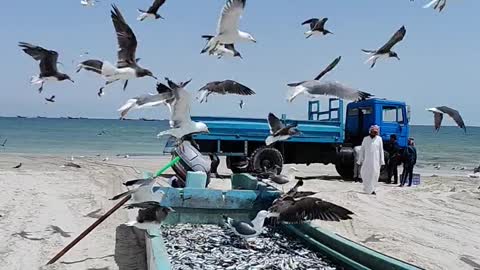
{"x":435,"y":225}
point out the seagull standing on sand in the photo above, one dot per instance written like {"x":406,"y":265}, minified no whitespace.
{"x":151,"y":13}
{"x":223,"y":49}
{"x":316,"y":88}
{"x":48,"y":64}
{"x":247,"y":229}
{"x":150,"y":214}
{"x":279,"y":131}
{"x":439,"y":4}
{"x":227,"y":29}
{"x":51,"y":99}
{"x":127,"y":67}
{"x":316,"y":27}
{"x":386,"y":50}
{"x":223,"y":88}
{"x":454,"y":114}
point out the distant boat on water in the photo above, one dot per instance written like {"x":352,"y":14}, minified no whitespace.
{"x":145,"y":119}
{"x":18,"y":116}
{"x":41,"y":117}
{"x":68,"y":117}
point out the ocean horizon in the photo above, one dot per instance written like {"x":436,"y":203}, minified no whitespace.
{"x":449,"y":148}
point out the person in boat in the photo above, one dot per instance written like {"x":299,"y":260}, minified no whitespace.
{"x":371,"y":159}
{"x":410,"y":159}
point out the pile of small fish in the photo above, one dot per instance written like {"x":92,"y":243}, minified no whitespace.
{"x":212,"y":247}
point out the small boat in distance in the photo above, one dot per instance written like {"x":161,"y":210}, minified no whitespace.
{"x":41,"y":117}
{"x":68,"y":117}
{"x":145,"y":119}
{"x":19,"y":116}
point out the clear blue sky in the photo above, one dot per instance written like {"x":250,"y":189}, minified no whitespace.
{"x":439,"y":55}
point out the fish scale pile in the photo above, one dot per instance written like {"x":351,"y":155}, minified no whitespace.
{"x":211,"y":247}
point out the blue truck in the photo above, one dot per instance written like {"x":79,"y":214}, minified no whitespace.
{"x":328,"y":136}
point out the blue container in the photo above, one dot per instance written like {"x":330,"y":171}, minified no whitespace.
{"x":196,"y":179}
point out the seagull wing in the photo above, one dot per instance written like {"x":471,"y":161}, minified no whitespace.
{"x":310,"y":208}
{"x":274,"y":123}
{"x":233,"y":87}
{"x":91,"y":65}
{"x":230,"y":16}
{"x":335,"y":89}
{"x":242,"y":227}
{"x":397,"y":37}
{"x":143,"y":205}
{"x":48,"y":59}
{"x":321,"y":23}
{"x":127,"y":42}
{"x":455,"y":115}
{"x":329,"y":68}
{"x":431,"y":3}
{"x":155,"y":6}
{"x":312,"y":22}
{"x":179,"y":105}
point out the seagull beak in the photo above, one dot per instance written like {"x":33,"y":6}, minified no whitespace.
{"x":253,"y":40}
{"x":71,"y":80}
{"x":397,"y":57}
{"x":154,"y":77}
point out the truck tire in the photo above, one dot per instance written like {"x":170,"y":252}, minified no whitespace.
{"x":237,"y":164}
{"x":344,"y":163}
{"x":267,"y":157}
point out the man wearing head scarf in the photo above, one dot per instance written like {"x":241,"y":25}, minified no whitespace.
{"x":371,"y":158}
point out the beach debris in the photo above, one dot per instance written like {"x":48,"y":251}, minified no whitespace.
{"x":48,"y":65}
{"x":94,"y":213}
{"x":373,"y":238}
{"x":73,"y":165}
{"x":454,"y":114}
{"x":150,"y":214}
{"x":279,"y":131}
{"x":18,"y":166}
{"x":106,"y":159}
{"x":26,"y":235}
{"x":437,"y":167}
{"x":223,"y":88}
{"x":316,"y":27}
{"x":151,"y":13}
{"x":477,"y":169}
{"x":56,"y":229}
{"x":469,"y":260}
{"x":209,"y":247}
{"x":386,"y":50}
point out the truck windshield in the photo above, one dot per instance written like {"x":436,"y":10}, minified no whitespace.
{"x":364,"y":110}
{"x":392,"y":114}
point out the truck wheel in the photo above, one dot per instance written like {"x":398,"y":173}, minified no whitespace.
{"x":345,"y":162}
{"x":237,"y":164}
{"x":266,"y":157}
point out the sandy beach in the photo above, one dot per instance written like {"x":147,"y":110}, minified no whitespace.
{"x":434,"y":225}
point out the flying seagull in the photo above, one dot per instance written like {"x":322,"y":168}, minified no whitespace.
{"x":223,"y":49}
{"x":142,"y":192}
{"x":241,"y":104}
{"x":278,"y":131}
{"x":247,"y":229}
{"x":316,"y":27}
{"x":152,"y":11}
{"x":18,"y":166}
{"x":439,"y":4}
{"x":164,"y":93}
{"x":223,"y":88}
{"x":150,"y":214}
{"x":127,"y":67}
{"x":386,"y":50}
{"x":48,"y":64}
{"x":51,"y":99}
{"x":316,"y":88}
{"x":88,"y":3}
{"x":454,"y":114}
{"x":227,"y":29}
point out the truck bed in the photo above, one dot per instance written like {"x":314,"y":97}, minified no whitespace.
{"x":248,"y":129}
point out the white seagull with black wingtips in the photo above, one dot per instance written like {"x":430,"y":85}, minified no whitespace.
{"x":454,"y":114}
{"x":227,"y":29}
{"x":316,"y":88}
{"x":437,"y":4}
{"x":151,"y":13}
{"x":224,"y":88}
{"x":127,"y":67}
{"x":48,"y":64}
{"x":279,"y":131}
{"x":386,"y":50}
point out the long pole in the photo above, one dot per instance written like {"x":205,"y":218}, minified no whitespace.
{"x":104,"y":217}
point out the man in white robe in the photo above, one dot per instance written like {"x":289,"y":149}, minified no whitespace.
{"x":371,"y":158}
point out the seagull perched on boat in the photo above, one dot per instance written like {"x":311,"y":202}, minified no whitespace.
{"x":247,"y":229}
{"x":152,"y":11}
{"x":51,"y":99}
{"x":223,"y":88}
{"x":127,"y":67}
{"x":316,"y":27}
{"x":88,"y":3}
{"x":48,"y":64}
{"x":279,"y":131}
{"x":296,"y":207}
{"x":150,"y":214}
{"x":386,"y":50}
{"x":227,"y":29}
{"x":439,"y":4}
{"x":316,"y":88}
{"x":223,"y":49}
{"x":454,"y":114}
